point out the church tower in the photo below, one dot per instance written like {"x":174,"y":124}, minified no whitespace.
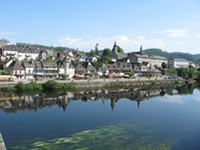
{"x":141,"y":49}
{"x":114,"y":51}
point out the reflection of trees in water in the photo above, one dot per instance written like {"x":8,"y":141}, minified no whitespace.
{"x":35,"y":101}
{"x":186,"y":89}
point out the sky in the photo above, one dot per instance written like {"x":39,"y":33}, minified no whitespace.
{"x":170,"y":25}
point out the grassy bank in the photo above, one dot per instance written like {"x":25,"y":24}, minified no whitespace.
{"x":49,"y":85}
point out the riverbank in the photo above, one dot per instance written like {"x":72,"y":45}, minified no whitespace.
{"x":71,"y":84}
{"x":2,"y":144}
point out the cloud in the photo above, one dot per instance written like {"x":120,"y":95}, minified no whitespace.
{"x":128,"y":44}
{"x":173,"y":99}
{"x":8,"y":33}
{"x":170,"y":42}
{"x":176,"y":32}
{"x":198,"y":35}
{"x":132,"y":33}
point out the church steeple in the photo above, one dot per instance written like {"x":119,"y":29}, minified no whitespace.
{"x":141,"y":49}
{"x":114,"y":48}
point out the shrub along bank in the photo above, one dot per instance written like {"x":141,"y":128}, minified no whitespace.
{"x":49,"y":85}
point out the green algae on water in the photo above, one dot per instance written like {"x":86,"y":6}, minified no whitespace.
{"x":128,"y":136}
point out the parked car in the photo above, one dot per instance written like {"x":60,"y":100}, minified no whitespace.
{"x":169,"y":78}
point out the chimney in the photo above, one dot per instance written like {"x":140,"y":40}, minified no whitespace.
{"x":14,"y":59}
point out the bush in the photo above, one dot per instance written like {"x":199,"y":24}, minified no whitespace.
{"x":153,"y":82}
{"x":19,"y":86}
{"x":51,"y":85}
{"x":8,"y":89}
{"x":129,"y":73}
{"x":177,"y":81}
{"x":112,"y":85}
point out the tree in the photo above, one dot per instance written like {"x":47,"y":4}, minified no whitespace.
{"x":92,"y":53}
{"x":49,"y":58}
{"x":87,"y":53}
{"x":119,"y":49}
{"x":19,"y":86}
{"x":63,"y":76}
{"x":3,"y":72}
{"x":164,"y":65}
{"x":186,"y":72}
{"x":107,"y":52}
{"x":75,"y":52}
{"x":150,"y":75}
{"x":96,"y":49}
{"x":129,"y":73}
{"x":72,"y":61}
{"x":156,"y":66}
{"x":52,"y":48}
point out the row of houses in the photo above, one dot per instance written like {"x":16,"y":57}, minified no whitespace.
{"x":29,"y":61}
{"x":141,"y":57}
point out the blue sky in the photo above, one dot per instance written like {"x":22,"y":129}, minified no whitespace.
{"x":171,"y":25}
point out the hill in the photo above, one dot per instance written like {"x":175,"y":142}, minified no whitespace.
{"x":59,"y":48}
{"x":159,"y":52}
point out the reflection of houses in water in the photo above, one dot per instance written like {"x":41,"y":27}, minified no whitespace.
{"x":138,"y":95}
{"x":172,"y":92}
{"x":38,"y":101}
{"x":35,"y":102}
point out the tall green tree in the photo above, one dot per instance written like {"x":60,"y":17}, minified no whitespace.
{"x":186,"y":72}
{"x":107,"y":52}
{"x":164,"y":65}
{"x":119,"y":49}
{"x":92,"y":53}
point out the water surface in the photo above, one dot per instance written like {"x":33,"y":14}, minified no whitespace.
{"x":133,"y":118}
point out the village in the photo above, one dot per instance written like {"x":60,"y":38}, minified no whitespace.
{"x":26,"y":61}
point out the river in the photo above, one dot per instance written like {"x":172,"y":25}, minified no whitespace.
{"x":133,"y":118}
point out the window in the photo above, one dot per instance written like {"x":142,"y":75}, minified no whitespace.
{"x":20,"y":71}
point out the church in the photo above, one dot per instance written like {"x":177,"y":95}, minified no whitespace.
{"x":138,"y":57}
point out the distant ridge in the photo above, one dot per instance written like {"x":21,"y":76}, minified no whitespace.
{"x":190,"y":57}
{"x":151,"y":51}
{"x":56,"y":48}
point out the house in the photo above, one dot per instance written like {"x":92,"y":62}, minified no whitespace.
{"x":116,"y":67}
{"x":60,"y":55}
{"x":50,"y":68}
{"x":23,"y":51}
{"x":143,"y":57}
{"x":10,"y":51}
{"x":80,"y":57}
{"x":33,"y":69}
{"x":50,"y":53}
{"x":14,"y":69}
{"x":84,"y":67}
{"x":178,"y":62}
{"x":91,"y":59}
{"x":66,"y":67}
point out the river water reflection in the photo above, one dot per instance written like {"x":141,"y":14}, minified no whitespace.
{"x":133,"y":118}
